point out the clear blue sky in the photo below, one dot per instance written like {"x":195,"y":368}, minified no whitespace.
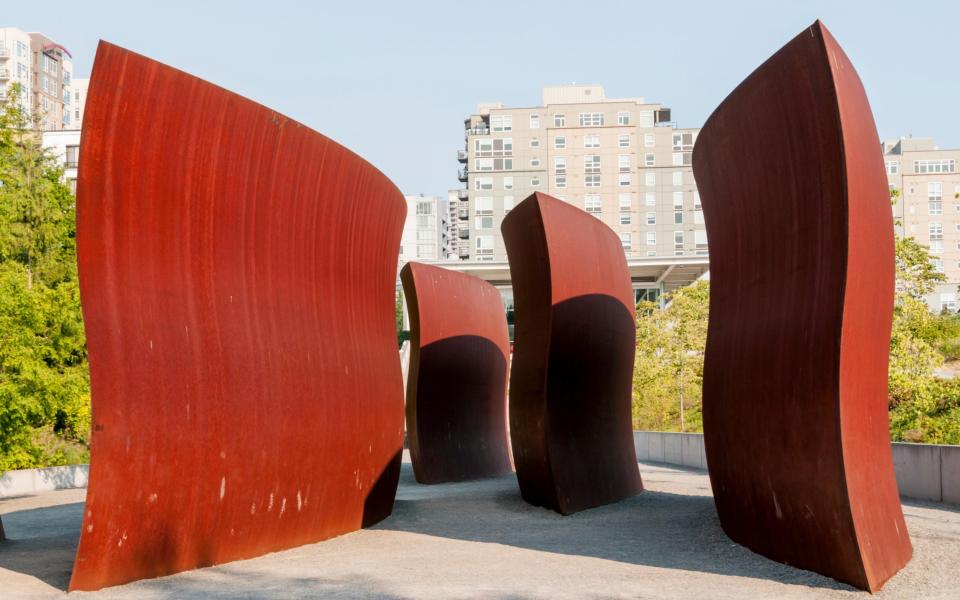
{"x":335,"y":65}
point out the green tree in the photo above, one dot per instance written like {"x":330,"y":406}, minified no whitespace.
{"x":44,"y":384}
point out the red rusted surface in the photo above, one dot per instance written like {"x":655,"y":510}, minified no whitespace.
{"x":572,"y":372}
{"x":457,"y":381}
{"x":237,"y":274}
{"x":802,"y":279}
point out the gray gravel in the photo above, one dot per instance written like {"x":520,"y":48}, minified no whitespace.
{"x":480,"y":540}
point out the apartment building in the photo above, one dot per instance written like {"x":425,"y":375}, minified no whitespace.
{"x":928,"y":206}
{"x":65,"y":147}
{"x":79,"y":88}
{"x":44,"y":70}
{"x":622,"y":160}
{"x":426,"y":232}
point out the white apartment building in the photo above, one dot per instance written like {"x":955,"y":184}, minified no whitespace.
{"x":65,"y":146}
{"x":621,"y":159}
{"x":79,"y":89}
{"x":426,"y":232}
{"x":928,"y":206}
{"x":44,"y":70}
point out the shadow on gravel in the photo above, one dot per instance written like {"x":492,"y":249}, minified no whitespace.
{"x":654,"y":529}
{"x":42,"y":542}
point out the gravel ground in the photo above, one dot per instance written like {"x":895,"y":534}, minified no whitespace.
{"x":480,"y":540}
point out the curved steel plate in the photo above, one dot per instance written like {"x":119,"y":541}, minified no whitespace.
{"x":802,"y":279}
{"x":237,"y":275}
{"x":457,"y":383}
{"x":572,"y":373}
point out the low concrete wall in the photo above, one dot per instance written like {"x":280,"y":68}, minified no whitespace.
{"x":924,"y":471}
{"x":34,"y":481}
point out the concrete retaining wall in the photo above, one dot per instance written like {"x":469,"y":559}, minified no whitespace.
{"x":924,"y":471}
{"x":34,"y":481}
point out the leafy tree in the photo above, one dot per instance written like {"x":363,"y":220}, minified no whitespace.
{"x":44,"y":383}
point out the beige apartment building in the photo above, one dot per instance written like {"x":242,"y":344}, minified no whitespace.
{"x":44,"y":70}
{"x":928,"y":206}
{"x":623,"y":160}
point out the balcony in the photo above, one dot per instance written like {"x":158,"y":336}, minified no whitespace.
{"x":463,"y":214}
{"x":478,"y":130}
{"x":463,"y":194}
{"x":464,"y":234}
{"x":462,"y":174}
{"x":462,"y":155}
{"x":4,"y":73}
{"x":464,"y":253}
{"x":4,"y":52}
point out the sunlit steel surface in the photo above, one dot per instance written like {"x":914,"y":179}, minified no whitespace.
{"x":572,"y":372}
{"x":457,"y":383}
{"x":237,"y":274}
{"x":798,"y":216}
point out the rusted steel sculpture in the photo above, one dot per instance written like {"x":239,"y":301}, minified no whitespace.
{"x":572,"y":372}
{"x":237,"y":275}
{"x":802,"y":279}
{"x":457,"y":382}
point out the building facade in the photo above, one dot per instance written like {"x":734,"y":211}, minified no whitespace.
{"x":65,"y":146}
{"x":622,"y":160}
{"x":426,"y":231}
{"x":927,"y":206}
{"x":79,"y":88}
{"x":44,"y":70}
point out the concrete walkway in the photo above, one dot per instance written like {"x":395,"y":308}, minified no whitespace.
{"x":480,"y":540}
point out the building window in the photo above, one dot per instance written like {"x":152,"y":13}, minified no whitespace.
{"x":623,"y":118}
{"x":534,"y":162}
{"x":483,"y":223}
{"x":678,"y":242}
{"x":893,"y":167}
{"x":591,"y":119}
{"x":678,"y":178}
{"x":623,"y":141}
{"x":484,"y":245}
{"x":535,"y":182}
{"x":650,"y":179}
{"x":700,"y":241}
{"x":560,"y":164}
{"x":935,"y":230}
{"x":682,"y":159}
{"x":559,"y":120}
{"x":935,"y":166}
{"x":678,"y":217}
{"x":483,"y":147}
{"x":501,"y":123}
{"x":651,"y":218}
{"x":591,"y":181}
{"x":483,"y":183}
{"x":678,"y":200}
{"x":649,"y":160}
{"x":560,"y":142}
{"x":651,"y":238}
{"x":73,"y":154}
{"x":948,"y":301}
{"x":649,"y":140}
{"x":623,"y":163}
{"x":591,"y":141}
{"x":935,"y":198}
{"x":624,"y":218}
{"x":534,"y":121}
{"x":502,"y":164}
{"x":508,"y":183}
{"x":696,"y":200}
{"x":507,"y":204}
{"x":625,"y":201}
{"x":560,"y":181}
{"x":650,"y":199}
{"x":591,"y":163}
{"x":698,"y":217}
{"x":627,"y":241}
{"x":937,"y":264}
{"x":683,"y":141}
{"x":646,"y":118}
{"x":625,"y":180}
{"x":484,"y":206}
{"x":592,"y":205}
{"x":535,"y":143}
{"x":483,"y":164}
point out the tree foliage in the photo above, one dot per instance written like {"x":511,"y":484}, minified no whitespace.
{"x":44,"y":383}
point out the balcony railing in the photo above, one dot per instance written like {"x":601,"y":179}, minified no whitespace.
{"x":462,"y":174}
{"x":462,"y":155}
{"x":463,"y":194}
{"x":464,"y":253}
{"x":479,"y":130}
{"x":464,"y":234}
{"x":463,"y":214}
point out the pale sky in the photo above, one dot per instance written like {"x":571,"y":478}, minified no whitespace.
{"x":393,"y":81}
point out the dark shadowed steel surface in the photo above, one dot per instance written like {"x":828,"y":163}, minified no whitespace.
{"x":457,"y":381}
{"x":802,"y":278}
{"x":237,"y":275}
{"x":572,"y":372}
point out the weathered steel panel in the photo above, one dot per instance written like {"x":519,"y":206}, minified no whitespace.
{"x":457,"y":383}
{"x":237,"y":275}
{"x":572,"y":373}
{"x":798,"y":216}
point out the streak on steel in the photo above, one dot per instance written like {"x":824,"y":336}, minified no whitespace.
{"x":802,"y":279}
{"x":572,"y":374}
{"x":237,"y":274}
{"x":457,"y":384}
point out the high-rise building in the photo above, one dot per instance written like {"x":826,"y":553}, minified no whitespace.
{"x":44,"y":70}
{"x":623,"y":160}
{"x":927,"y":206}
{"x":79,"y":87}
{"x":426,"y":232}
